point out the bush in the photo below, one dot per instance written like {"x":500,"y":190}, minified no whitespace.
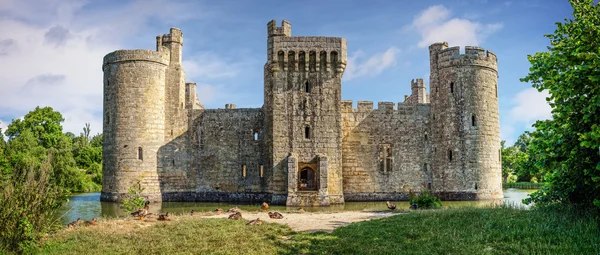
{"x":29,"y":203}
{"x":134,"y":200}
{"x":425,"y":199}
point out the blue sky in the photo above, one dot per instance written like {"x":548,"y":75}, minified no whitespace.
{"x":51,"y":51}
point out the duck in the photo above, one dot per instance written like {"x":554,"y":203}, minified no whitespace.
{"x":164,"y":217}
{"x":390,"y":206}
{"x":142,"y":212}
{"x":220,"y":210}
{"x":235,"y":216}
{"x":414,"y":206}
{"x":74,"y":223}
{"x":258,"y":221}
{"x":265,"y":206}
{"x":275,"y":215}
{"x":300,"y":210}
{"x":192,"y":213}
{"x":233,"y":209}
{"x":94,"y":221}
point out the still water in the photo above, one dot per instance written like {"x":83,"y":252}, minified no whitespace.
{"x":87,"y":206}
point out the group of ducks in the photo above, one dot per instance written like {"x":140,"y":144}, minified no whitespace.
{"x":236,"y":214}
{"x":144,"y":212}
{"x":86,"y":223}
{"x":392,"y":206}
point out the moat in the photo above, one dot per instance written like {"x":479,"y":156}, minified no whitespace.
{"x":88,"y":205}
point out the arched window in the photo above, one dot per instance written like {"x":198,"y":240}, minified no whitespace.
{"x":255,"y":135}
{"x":140,"y":153}
{"x":280,"y":59}
{"x":312,"y":61}
{"x":308,"y":179}
{"x":306,"y":87}
{"x":334,"y":59}
{"x":292,"y":60}
{"x":301,"y":61}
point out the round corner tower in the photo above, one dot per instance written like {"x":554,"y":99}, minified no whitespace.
{"x":134,"y":121}
{"x":466,"y":163}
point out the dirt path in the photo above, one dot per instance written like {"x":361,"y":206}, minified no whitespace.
{"x":312,"y":221}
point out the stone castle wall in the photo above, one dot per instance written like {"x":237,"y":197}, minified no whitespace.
{"x":388,"y":135}
{"x":157,"y":132}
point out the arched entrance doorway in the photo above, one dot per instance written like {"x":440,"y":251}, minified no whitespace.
{"x":308,"y":179}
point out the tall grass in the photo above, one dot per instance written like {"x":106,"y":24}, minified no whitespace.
{"x":28,"y":208}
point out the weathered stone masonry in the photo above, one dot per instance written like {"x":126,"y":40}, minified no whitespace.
{"x":305,"y":146}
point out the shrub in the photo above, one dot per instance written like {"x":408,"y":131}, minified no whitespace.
{"x":29,"y":203}
{"x":425,"y":199}
{"x":134,"y":200}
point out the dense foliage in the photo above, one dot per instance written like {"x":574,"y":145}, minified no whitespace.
{"x":518,"y":162}
{"x":76,"y":160}
{"x":568,"y":145}
{"x":425,"y":200}
{"x":29,"y":204}
{"x":134,"y":200}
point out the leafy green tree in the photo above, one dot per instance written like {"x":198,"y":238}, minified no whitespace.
{"x":43,"y":123}
{"x":567,"y":146}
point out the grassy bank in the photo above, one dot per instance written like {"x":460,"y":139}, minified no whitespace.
{"x":450,"y":231}
{"x":522,"y":185}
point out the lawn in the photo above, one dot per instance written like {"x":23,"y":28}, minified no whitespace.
{"x":446,"y":231}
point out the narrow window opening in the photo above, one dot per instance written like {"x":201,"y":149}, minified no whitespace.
{"x":475,"y":186}
{"x":173,"y":162}
{"x":171,"y":132}
{"x":425,"y":137}
{"x":386,"y":158}
{"x":449,"y":155}
{"x":280,"y":59}
{"x":323,"y":60}
{"x":107,"y":83}
{"x":425,"y":167}
{"x":306,"y":87}
{"x":451,"y":87}
{"x":334,"y":59}
{"x":140,"y":153}
{"x":496,"y":90}
{"x":301,"y":61}
{"x":429,"y":185}
{"x":262,"y":171}
{"x":473,"y":120}
{"x":243,"y":170}
{"x":181,"y":105}
{"x":307,"y":132}
{"x":312,"y":61}
{"x":255,"y":136}
{"x":107,"y":118}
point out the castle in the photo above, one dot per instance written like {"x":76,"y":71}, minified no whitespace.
{"x":305,"y":146}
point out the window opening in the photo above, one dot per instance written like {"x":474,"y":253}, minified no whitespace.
{"x":307,"y":132}
{"x":385,"y":157}
{"x":473,"y":120}
{"x":243,"y":170}
{"x":140,"y":153}
{"x":255,"y":136}
{"x":262,"y":171}
{"x":450,"y":155}
{"x":306,"y":87}
{"x":451,"y":87}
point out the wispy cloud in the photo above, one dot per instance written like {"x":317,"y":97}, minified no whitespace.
{"x":527,"y":106}
{"x":51,"y":52}
{"x":374,"y":65}
{"x":435,"y":24}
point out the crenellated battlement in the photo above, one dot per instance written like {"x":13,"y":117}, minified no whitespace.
{"x":473,"y":56}
{"x":284,"y":30}
{"x":382,"y":107}
{"x":174,"y":36}
{"x":134,"y":55}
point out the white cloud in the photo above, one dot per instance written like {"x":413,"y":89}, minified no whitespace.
{"x":375,"y":65}
{"x":436,"y":25}
{"x":208,"y":65}
{"x":527,"y":106}
{"x":51,"y":53}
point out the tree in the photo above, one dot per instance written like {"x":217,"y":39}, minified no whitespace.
{"x":567,"y":146}
{"x":43,"y":123}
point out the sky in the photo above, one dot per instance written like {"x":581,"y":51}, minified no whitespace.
{"x":51,"y":50}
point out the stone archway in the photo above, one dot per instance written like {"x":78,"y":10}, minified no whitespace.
{"x":307,"y":179}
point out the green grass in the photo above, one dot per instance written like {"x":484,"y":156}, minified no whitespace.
{"x":447,"y":231}
{"x":522,"y":185}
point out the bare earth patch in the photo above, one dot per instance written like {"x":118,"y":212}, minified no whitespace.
{"x":311,"y":222}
